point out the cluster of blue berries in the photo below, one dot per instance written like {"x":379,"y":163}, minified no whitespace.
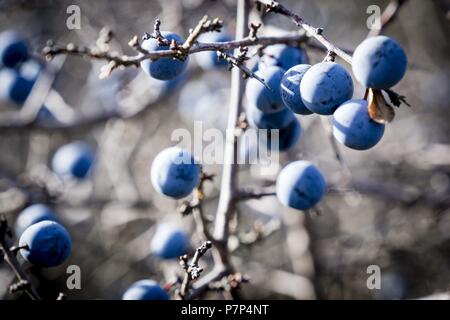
{"x":266,"y":108}
{"x":325,"y":88}
{"x":45,"y":242}
{"x":18,"y":72}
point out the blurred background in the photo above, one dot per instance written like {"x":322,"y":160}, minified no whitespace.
{"x":398,"y":216}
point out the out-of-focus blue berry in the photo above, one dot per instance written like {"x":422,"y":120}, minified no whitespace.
{"x":145,"y":290}
{"x":283,"y":56}
{"x":266,"y":98}
{"x":13,"y":49}
{"x":169,"y":242}
{"x":73,"y":160}
{"x":208,"y":60}
{"x":300,"y":185}
{"x":174,"y":172}
{"x":31,"y":215}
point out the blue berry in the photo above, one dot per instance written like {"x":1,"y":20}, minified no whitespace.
{"x":290,"y":89}
{"x":208,"y":60}
{"x":287,"y":136}
{"x":174,"y":172}
{"x":145,"y":290}
{"x":325,"y":86}
{"x":31,"y":215}
{"x":17,"y":85}
{"x":49,"y":244}
{"x":265,"y":99}
{"x":14,"y":87}
{"x":379,"y":62}
{"x":73,"y":160}
{"x":283,"y":56}
{"x":169,"y":242}
{"x":13,"y":49}
{"x":353,"y":127}
{"x":300,"y":185}
{"x":274,"y":120}
{"x":163,"y":68}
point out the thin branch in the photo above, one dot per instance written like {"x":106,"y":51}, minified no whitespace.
{"x":195,"y":207}
{"x":192,"y":270}
{"x":9,"y":254}
{"x":239,"y":63}
{"x":203,"y":26}
{"x":121,"y":60}
{"x":317,"y":33}
{"x":245,"y":195}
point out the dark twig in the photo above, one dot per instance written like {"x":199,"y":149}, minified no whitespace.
{"x":9,"y":253}
{"x":245,"y":195}
{"x":254,"y":27}
{"x":238,"y":62}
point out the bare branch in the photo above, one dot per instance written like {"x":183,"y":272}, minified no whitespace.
{"x":317,"y":33}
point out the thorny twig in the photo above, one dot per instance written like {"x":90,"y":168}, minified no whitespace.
{"x":239,"y":62}
{"x":192,"y":270}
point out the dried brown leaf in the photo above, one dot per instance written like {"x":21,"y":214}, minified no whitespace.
{"x":379,"y":110}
